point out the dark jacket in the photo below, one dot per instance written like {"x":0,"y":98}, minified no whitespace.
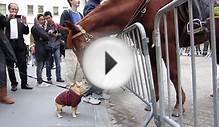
{"x":90,"y":5}
{"x":6,"y":51}
{"x":55,"y":37}
{"x":41,"y":38}
{"x":18,"y":45}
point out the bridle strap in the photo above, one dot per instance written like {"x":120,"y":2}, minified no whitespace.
{"x":142,"y":8}
{"x":83,"y":32}
{"x":76,"y":35}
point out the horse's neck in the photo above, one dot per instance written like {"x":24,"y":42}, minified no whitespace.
{"x":110,"y":17}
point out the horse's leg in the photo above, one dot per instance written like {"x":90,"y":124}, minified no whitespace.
{"x":174,"y":79}
{"x":154,"y":73}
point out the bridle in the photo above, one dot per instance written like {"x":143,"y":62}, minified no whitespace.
{"x":87,"y":36}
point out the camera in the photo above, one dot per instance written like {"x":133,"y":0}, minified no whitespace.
{"x":18,"y":16}
{"x":52,"y":31}
{"x":55,"y":31}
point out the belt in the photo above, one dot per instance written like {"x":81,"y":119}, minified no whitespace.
{"x":13,"y":40}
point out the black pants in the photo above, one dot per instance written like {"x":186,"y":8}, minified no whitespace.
{"x":94,"y":89}
{"x":22,"y":67}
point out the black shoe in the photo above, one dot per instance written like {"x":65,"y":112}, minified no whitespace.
{"x":14,"y":88}
{"x":60,"y":80}
{"x":26,"y":87}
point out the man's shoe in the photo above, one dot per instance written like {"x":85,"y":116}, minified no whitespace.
{"x":49,"y":81}
{"x":60,"y":80}
{"x":7,"y":100}
{"x":14,"y":88}
{"x":103,"y":96}
{"x":43,"y":85}
{"x":26,"y":87}
{"x":91,"y":100}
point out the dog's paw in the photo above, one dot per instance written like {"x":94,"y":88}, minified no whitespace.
{"x":77,"y":113}
{"x":74,"y":115}
{"x":59,"y":115}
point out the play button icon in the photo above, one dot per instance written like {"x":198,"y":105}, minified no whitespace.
{"x":108,"y":62}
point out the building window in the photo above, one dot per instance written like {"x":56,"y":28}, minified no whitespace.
{"x":3,"y":9}
{"x":40,"y":9}
{"x":55,"y":11}
{"x":30,"y":9}
{"x":65,"y":8}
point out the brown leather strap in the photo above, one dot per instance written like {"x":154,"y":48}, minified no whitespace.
{"x":142,"y":8}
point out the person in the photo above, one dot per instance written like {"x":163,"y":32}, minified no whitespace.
{"x":71,"y":15}
{"x":94,"y":91}
{"x":5,"y":48}
{"x":74,"y":16}
{"x":41,"y":38}
{"x":90,"y":5}
{"x":54,"y":45}
{"x":15,"y":28}
{"x":32,"y":54}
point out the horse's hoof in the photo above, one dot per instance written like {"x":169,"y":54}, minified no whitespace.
{"x":147,"y":108}
{"x":176,"y":112}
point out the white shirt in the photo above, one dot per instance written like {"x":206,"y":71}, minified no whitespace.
{"x":13,"y":29}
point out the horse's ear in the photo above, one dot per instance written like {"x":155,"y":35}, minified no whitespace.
{"x":71,"y":31}
{"x":71,"y":27}
{"x":68,"y":24}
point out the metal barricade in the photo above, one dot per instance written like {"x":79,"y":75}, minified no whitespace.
{"x":165,"y":119}
{"x":141,"y":83}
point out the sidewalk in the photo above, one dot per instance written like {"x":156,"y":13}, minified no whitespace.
{"x":35,"y":108}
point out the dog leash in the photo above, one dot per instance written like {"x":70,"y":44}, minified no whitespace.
{"x":64,"y":87}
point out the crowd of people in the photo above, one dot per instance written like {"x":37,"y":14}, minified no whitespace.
{"x":49,"y":44}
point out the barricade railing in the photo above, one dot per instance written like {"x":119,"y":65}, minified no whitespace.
{"x":164,"y":118}
{"x":141,"y":83}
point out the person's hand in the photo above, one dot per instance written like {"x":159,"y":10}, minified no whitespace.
{"x":24,"y":20}
{"x":50,"y":31}
{"x":11,"y":15}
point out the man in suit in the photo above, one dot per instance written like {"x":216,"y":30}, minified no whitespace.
{"x":16,"y":27}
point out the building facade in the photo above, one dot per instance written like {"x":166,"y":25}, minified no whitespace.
{"x":31,"y":8}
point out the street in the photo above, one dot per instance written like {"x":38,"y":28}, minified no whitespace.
{"x":36,"y":108}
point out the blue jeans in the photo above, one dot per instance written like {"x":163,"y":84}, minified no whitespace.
{"x":53,"y":56}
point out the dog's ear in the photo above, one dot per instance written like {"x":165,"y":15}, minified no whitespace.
{"x":77,"y":82}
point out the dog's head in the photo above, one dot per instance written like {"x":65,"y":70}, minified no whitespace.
{"x":79,"y":87}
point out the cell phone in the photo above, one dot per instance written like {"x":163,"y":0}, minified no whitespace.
{"x":18,"y":16}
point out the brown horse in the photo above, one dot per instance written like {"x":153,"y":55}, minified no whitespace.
{"x":112,"y":17}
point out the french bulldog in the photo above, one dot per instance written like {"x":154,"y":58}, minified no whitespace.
{"x":71,"y":97}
